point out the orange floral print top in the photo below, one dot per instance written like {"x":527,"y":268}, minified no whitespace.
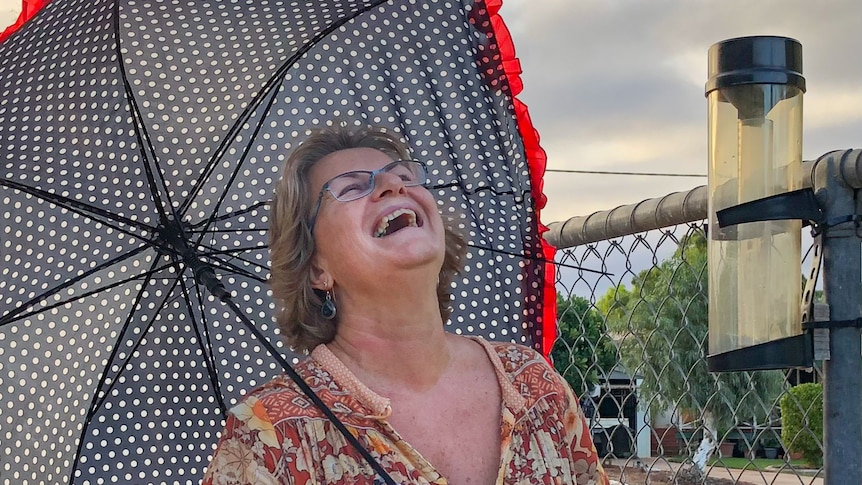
{"x":275,"y":435}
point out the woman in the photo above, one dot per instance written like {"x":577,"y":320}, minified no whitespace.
{"x":361,"y":266}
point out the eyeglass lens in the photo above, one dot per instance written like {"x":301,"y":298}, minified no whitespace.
{"x":353,"y":185}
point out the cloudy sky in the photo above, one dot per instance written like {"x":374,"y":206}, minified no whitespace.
{"x":9,"y":12}
{"x":618,"y":85}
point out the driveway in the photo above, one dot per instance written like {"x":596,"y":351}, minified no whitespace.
{"x":636,"y":472}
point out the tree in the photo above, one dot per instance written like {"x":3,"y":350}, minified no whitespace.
{"x":583,"y":347}
{"x":662,"y":324}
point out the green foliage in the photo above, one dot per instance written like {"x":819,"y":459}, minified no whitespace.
{"x":662,"y":323}
{"x":802,"y":421}
{"x":769,"y":440}
{"x":583,"y":347}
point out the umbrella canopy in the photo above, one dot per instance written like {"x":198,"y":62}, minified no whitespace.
{"x":139,"y":143}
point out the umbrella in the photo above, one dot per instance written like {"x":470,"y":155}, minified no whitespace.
{"x":140,"y":140}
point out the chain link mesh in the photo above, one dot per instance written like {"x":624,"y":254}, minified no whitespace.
{"x":632,"y":342}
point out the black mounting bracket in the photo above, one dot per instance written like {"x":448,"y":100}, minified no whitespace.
{"x":797,"y":204}
{"x":789,"y":352}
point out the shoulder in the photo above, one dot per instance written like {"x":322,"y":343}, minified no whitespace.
{"x":517,"y":359}
{"x":528,"y":371}
{"x":281,"y":399}
{"x":271,"y":422}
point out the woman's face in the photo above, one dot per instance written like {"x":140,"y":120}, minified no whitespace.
{"x":394,"y":227}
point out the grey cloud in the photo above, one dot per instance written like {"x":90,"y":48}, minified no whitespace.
{"x":598,"y":70}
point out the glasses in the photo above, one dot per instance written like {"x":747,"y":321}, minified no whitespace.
{"x":359,"y":183}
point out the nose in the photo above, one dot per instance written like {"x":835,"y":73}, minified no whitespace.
{"x":387,"y":184}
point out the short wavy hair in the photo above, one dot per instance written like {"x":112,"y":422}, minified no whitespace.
{"x":292,"y":246}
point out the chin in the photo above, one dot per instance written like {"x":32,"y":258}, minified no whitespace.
{"x":419,"y":254}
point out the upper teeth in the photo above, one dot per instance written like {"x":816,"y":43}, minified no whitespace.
{"x":384,"y":223}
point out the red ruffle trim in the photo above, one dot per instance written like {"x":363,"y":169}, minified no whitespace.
{"x":28,"y":10}
{"x":537,"y":161}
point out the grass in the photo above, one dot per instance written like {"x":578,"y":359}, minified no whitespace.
{"x":745,"y":463}
{"x":756,"y":464}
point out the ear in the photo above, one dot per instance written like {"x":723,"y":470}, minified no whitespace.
{"x":321,"y":279}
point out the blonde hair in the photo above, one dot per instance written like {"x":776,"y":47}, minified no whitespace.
{"x":291,"y":242}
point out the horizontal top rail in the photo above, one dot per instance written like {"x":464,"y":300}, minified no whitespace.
{"x":672,"y":209}
{"x":669,"y":210}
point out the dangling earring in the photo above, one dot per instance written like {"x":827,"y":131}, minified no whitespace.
{"x":328,"y":310}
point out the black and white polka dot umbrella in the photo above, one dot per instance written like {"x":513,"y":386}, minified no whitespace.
{"x":139,"y":142}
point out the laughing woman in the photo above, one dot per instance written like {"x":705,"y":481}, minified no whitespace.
{"x":361,"y":269}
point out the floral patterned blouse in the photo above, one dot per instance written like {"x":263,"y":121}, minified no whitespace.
{"x":275,"y":435}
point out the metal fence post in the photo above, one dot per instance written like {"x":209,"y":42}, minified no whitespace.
{"x":842,"y":285}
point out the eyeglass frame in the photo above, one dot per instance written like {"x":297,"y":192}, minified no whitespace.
{"x":373,"y":183}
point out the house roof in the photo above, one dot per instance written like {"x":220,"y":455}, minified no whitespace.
{"x":620,"y":373}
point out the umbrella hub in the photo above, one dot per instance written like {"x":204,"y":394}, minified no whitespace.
{"x":173,"y":240}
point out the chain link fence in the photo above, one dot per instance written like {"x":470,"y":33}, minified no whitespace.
{"x":632,"y":341}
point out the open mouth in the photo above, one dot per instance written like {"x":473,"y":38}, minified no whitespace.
{"x":396,"y":221}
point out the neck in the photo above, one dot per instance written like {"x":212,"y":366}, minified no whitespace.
{"x":397,"y":343}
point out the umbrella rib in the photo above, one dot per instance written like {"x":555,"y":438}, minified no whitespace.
{"x":231,"y":215}
{"x":17,"y":313}
{"x":141,"y":132}
{"x":483,"y":188}
{"x":234,"y":255}
{"x":245,"y":151}
{"x":141,"y":276}
{"x":145,"y":141}
{"x":79,"y":207}
{"x":97,"y":401}
{"x":240,"y":271}
{"x":458,"y":184}
{"x":308,"y":391}
{"x":213,"y":251}
{"x":205,"y":344}
{"x":268,"y":86}
{"x":518,"y":255}
{"x":486,"y":248}
{"x":226,"y":231}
